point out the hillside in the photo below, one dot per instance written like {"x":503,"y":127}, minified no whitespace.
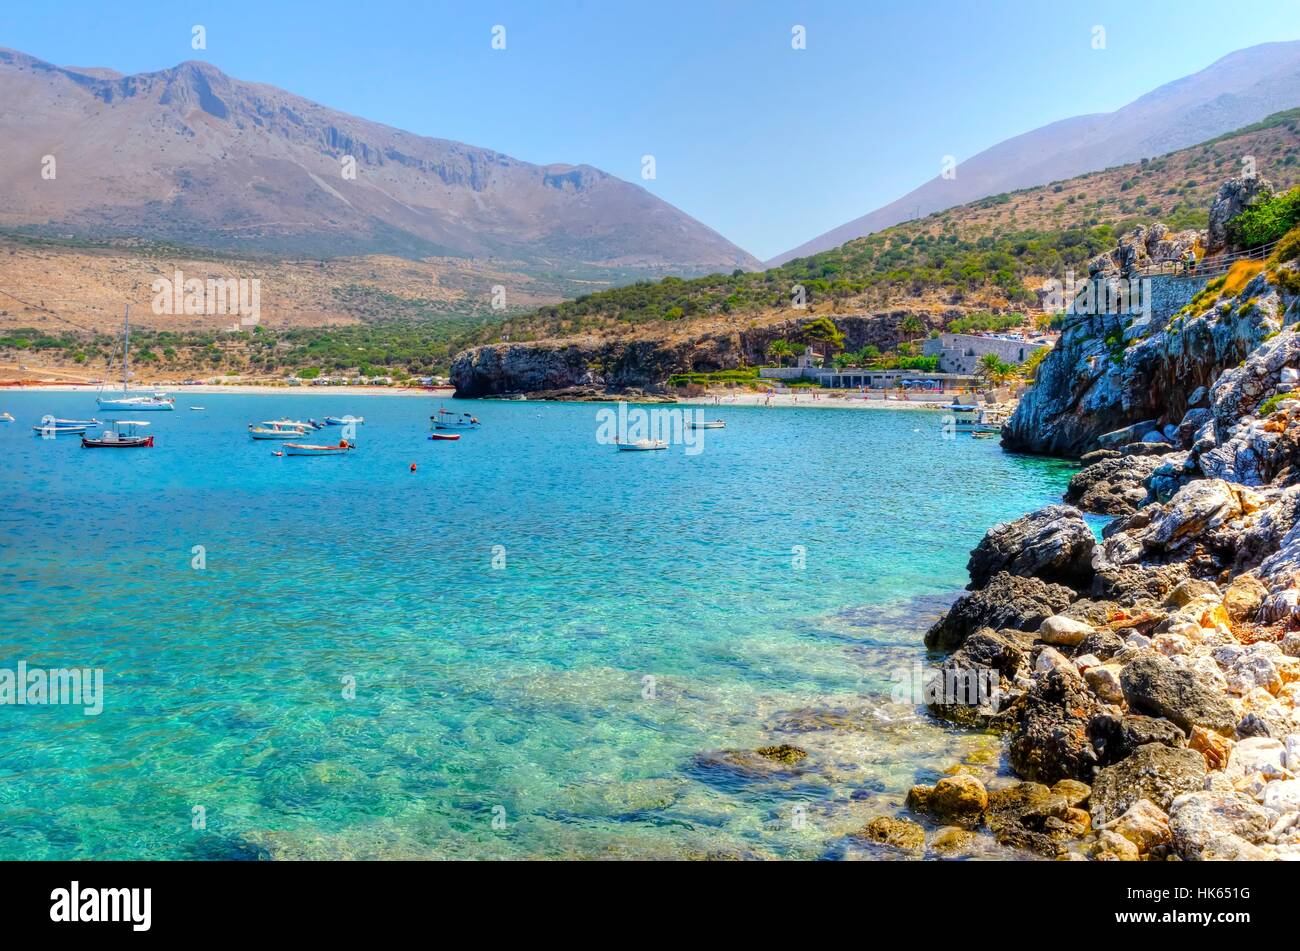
{"x":1236,"y":90}
{"x":197,"y":158}
{"x":991,"y":255}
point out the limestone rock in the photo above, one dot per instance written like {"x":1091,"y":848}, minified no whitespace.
{"x":1154,"y":772}
{"x":1154,"y":685}
{"x":1063,"y":631}
{"x":1054,"y":544}
{"x":902,"y":834}
{"x":1210,"y":821}
{"x":1244,"y":597}
{"x":1007,"y":601}
{"x":1144,"y":824}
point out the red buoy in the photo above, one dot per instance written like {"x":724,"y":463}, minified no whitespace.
{"x":413,"y":467}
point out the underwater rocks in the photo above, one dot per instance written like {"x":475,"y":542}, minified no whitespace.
{"x":1053,"y":544}
{"x":900,"y":834}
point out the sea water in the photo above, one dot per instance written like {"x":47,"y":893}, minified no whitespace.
{"x":529,"y":646}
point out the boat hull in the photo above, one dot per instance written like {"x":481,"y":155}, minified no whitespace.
{"x":143,"y":406}
{"x":445,"y":437}
{"x":132,"y":442}
{"x":298,"y":449}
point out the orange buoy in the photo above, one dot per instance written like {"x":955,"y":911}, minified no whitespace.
{"x":413,"y":467}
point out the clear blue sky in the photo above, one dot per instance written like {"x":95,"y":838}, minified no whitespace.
{"x":768,"y":145}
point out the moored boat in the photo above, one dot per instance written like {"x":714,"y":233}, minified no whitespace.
{"x":276,"y":432}
{"x":446,"y":437}
{"x":157,"y":402}
{"x":641,"y":445}
{"x":119,"y":434}
{"x":446,"y":419}
{"x":303,"y":449}
{"x":54,"y":429}
{"x":344,"y":420}
{"x":6,"y":418}
{"x":709,"y":424}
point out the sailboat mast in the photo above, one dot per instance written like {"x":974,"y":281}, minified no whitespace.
{"x":126,"y":348}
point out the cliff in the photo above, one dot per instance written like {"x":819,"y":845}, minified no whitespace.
{"x":1148,"y":683}
{"x":1116,"y":370}
{"x":644,"y":362}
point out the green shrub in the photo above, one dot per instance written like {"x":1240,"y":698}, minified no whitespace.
{"x":1266,"y":220}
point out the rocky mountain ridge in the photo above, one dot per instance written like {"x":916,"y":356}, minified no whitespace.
{"x":196,"y":157}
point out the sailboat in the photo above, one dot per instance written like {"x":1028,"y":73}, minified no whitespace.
{"x":156,"y":402}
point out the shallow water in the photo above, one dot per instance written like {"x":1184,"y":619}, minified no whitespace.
{"x":516,"y":693}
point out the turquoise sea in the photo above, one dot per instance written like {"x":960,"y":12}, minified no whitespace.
{"x":544,"y":634}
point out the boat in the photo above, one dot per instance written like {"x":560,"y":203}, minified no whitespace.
{"x":983,"y":434}
{"x":344,"y":420}
{"x":198,"y":407}
{"x":155,"y":403}
{"x":449,"y":437}
{"x":446,"y":419}
{"x":292,"y":424}
{"x":276,"y":432}
{"x":641,"y":445}
{"x":709,"y":424}
{"x":119,"y":434}
{"x":303,"y":449}
{"x":6,"y":418}
{"x":56,"y":428}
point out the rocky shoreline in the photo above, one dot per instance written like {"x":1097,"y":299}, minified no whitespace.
{"x":1147,"y":684}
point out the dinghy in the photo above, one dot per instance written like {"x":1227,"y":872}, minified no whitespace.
{"x":302,"y":449}
{"x":448,"y":437}
{"x":709,"y":424}
{"x":344,"y":420}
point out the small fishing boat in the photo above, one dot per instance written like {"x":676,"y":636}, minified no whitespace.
{"x":641,"y":445}
{"x":344,"y":420}
{"x":446,"y":419}
{"x":119,"y":434}
{"x":302,"y":449}
{"x":198,"y":407}
{"x":983,"y":434}
{"x":709,"y":424}
{"x":448,"y":437}
{"x":6,"y":418}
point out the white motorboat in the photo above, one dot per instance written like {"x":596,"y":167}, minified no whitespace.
{"x":266,"y":431}
{"x":642,"y":445}
{"x":709,"y":424}
{"x":344,"y":420}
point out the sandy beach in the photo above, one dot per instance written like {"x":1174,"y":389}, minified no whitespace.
{"x":822,"y":400}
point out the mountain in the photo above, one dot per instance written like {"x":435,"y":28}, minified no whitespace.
{"x":192,"y":156}
{"x":1241,"y":88}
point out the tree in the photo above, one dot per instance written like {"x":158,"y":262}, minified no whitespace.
{"x":911,"y":326}
{"x":779,"y":350}
{"x":823,"y":330}
{"x":994,"y":369}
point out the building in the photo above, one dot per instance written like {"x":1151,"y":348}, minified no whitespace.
{"x":961,"y":353}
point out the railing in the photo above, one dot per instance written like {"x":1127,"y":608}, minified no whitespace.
{"x":1213,"y":267}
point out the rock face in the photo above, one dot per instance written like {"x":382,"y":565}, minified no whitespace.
{"x":1110,"y":372}
{"x":1054,"y":544}
{"x":619,"y":363}
{"x":1050,"y":740}
{"x":1007,"y":601}
{"x":1234,"y":195}
{"x":1114,"y":486}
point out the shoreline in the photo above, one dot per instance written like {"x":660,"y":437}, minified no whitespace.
{"x":780,"y":400}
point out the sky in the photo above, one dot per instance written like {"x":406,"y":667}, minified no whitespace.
{"x":767,"y":144}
